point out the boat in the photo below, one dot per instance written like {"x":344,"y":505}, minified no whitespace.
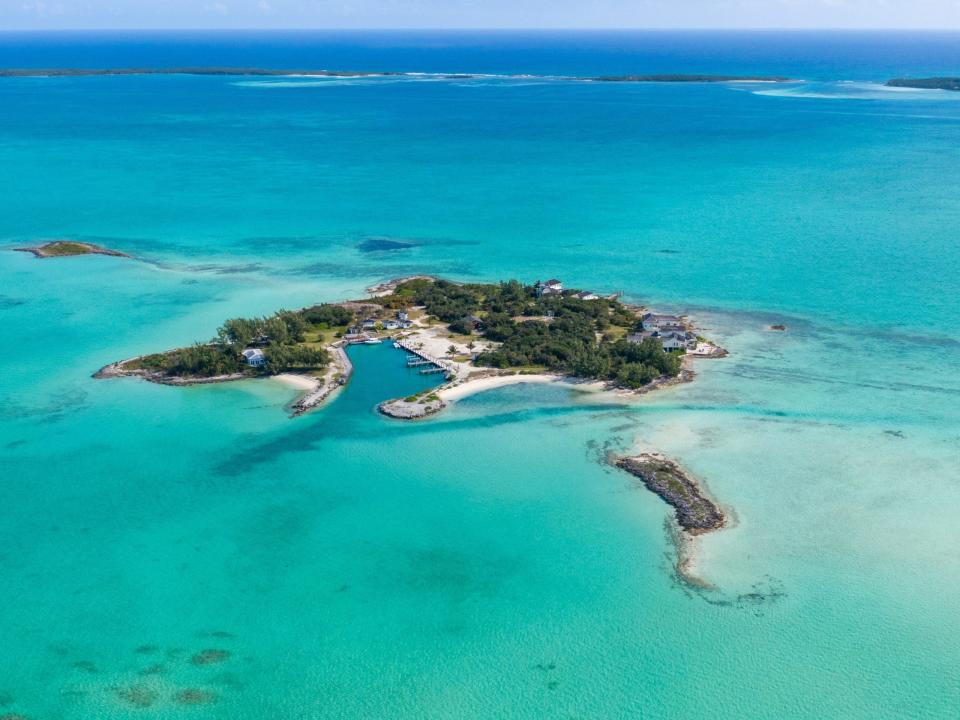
{"x":372,"y":341}
{"x":396,"y":345}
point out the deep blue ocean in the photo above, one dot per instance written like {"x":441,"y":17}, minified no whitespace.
{"x":486,"y":563}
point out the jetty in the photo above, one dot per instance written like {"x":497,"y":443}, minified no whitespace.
{"x":423,"y":358}
{"x":336,"y":376}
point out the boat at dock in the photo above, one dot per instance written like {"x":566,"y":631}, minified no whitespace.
{"x":372,"y":341}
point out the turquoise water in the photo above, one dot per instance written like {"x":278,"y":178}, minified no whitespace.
{"x":484,"y":563}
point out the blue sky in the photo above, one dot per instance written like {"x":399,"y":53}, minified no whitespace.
{"x":62,"y":14}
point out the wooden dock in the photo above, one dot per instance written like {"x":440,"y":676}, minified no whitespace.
{"x":422,"y":358}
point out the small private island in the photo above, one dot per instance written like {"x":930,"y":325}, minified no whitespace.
{"x":476,"y":336}
{"x":69,"y":248}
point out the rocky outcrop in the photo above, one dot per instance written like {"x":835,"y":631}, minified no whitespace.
{"x":410,"y":408}
{"x":69,"y":248}
{"x":695,"y":512}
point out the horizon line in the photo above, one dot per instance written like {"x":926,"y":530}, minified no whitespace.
{"x":618,"y":29}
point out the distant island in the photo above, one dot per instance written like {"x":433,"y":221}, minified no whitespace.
{"x":674,"y":78}
{"x":272,"y":72}
{"x":475,"y":335}
{"x":267,"y":72}
{"x":932,"y":83}
{"x":69,"y":248}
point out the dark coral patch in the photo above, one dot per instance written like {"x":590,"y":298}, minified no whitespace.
{"x":210,"y":657}
{"x":195,"y":696}
{"x":138,"y":696}
{"x":378,"y":244}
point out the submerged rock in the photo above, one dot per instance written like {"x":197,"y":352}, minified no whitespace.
{"x":138,"y":695}
{"x":210,"y":657}
{"x":696,"y":513}
{"x":195,"y":696}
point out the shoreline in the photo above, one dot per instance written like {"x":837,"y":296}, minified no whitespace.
{"x":314,"y":391}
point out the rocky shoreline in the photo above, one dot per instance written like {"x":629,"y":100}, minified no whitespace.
{"x":409,"y":409}
{"x":387,"y":287}
{"x":69,"y":248}
{"x":336,"y":377}
{"x":696,"y":513}
{"x":117,"y":369}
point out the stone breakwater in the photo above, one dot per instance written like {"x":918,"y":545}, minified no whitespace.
{"x":696,"y":513}
{"x":337,"y":375}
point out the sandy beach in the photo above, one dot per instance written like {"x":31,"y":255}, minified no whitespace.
{"x":300,"y":382}
{"x":469,"y":387}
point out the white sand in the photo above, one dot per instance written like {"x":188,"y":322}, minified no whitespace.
{"x":300,"y":382}
{"x":472,"y":387}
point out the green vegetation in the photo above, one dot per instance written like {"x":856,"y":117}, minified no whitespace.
{"x":68,"y":248}
{"x":559,"y":332}
{"x":284,"y":338}
{"x":62,"y":248}
{"x":932,"y":83}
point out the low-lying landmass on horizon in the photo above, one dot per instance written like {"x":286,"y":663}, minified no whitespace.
{"x":930,"y":83}
{"x":273,"y":72}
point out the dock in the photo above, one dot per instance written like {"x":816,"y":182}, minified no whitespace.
{"x":421,"y":358}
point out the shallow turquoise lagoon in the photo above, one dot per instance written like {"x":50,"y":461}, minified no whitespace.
{"x":487,"y":562}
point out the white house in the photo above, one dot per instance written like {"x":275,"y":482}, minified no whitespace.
{"x":550,"y":287}
{"x":254,"y":357}
{"x":658,"y":322}
{"x":587,"y":295}
{"x":391,"y":324}
{"x":670,"y":340}
{"x":673,"y":341}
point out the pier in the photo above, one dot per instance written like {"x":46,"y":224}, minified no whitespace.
{"x":421,"y":358}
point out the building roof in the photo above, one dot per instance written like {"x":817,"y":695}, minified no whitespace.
{"x":553,"y":281}
{"x":252,"y":353}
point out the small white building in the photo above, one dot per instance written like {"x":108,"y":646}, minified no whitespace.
{"x":403,"y":315}
{"x":670,"y":340}
{"x":391,"y":324}
{"x":653,"y":322}
{"x":550,"y":287}
{"x":587,"y":295}
{"x":254,"y":357}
